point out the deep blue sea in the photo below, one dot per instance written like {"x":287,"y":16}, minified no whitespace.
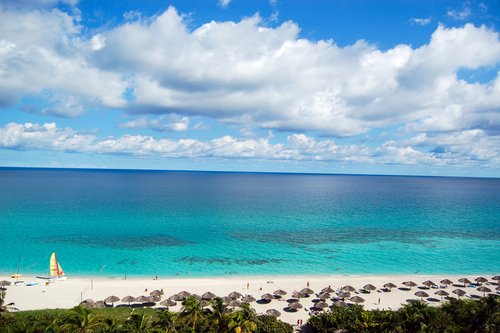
{"x":171,"y":223}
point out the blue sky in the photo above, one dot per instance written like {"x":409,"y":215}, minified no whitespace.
{"x":386,"y":87}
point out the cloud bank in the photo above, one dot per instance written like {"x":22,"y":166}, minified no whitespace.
{"x":251,"y":75}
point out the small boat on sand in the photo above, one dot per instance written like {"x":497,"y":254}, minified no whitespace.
{"x":56,"y":271}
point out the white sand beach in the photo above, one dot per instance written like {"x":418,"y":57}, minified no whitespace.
{"x":68,"y":293}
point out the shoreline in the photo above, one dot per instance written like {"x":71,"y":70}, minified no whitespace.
{"x":70,"y":292}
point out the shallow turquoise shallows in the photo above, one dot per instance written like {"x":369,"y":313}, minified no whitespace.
{"x":147,"y":223}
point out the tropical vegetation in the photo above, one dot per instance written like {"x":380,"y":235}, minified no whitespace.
{"x":197,"y":316}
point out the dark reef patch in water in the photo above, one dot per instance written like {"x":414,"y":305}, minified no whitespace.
{"x":359,"y":235}
{"x":119,"y":242}
{"x":229,"y":261}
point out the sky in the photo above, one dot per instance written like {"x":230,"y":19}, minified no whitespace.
{"x":338,"y":86}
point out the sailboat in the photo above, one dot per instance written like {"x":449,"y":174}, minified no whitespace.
{"x":56,"y":271}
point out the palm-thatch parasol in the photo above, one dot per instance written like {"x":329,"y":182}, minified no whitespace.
{"x":410,"y":284}
{"x":369,"y":287}
{"x":208,"y":296}
{"x":496,"y":278}
{"x":357,"y":299}
{"x":446,"y":282}
{"x":344,"y":294}
{"x":112,"y":299}
{"x":184,"y":294}
{"x":156,"y":293}
{"x":4,"y":283}
{"x":128,"y":299}
{"x":99,"y":305}
{"x":142,"y":299}
{"x":484,"y":290}
{"x":234,"y":303}
{"x":88,"y":303}
{"x":235,"y":295}
{"x":295,"y":305}
{"x":176,"y":298}
{"x":348,"y":288}
{"x":480,"y":280}
{"x":341,"y":304}
{"x":307,"y":291}
{"x":428,"y":284}
{"x":247,"y":299}
{"x":323,"y":296}
{"x":280,"y":292}
{"x":321,"y":305}
{"x":273,"y":313}
{"x":389,"y":286}
{"x":298,"y":294}
{"x":168,"y":303}
{"x":198,"y":297}
{"x":226,"y":300}
{"x":267,"y":297}
{"x":154,"y":299}
{"x":327,"y":290}
{"x":459,"y":292}
{"x":441,"y":293}
{"x":421,"y":294}
{"x":465,"y":281}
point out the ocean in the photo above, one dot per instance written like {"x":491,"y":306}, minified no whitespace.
{"x":191,"y":224}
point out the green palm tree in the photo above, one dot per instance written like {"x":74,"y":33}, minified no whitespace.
{"x":192,"y":313}
{"x":166,"y":321}
{"x":81,"y":320}
{"x":218,"y":318}
{"x":4,"y":308}
{"x":140,"y":322}
{"x":243,"y":320}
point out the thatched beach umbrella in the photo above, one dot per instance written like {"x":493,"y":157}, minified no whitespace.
{"x":196,"y":296}
{"x":273,"y":313}
{"x":357,"y":299}
{"x":446,"y":282}
{"x":247,"y":299}
{"x":295,"y":305}
{"x":410,"y":284}
{"x":344,"y":294}
{"x":480,"y":280}
{"x":267,"y":297}
{"x":142,"y":299}
{"x":128,"y":299}
{"x":421,"y":294}
{"x":307,"y":291}
{"x":465,"y":281}
{"x":341,"y":304}
{"x":4,"y":283}
{"x":348,"y":288}
{"x":369,"y":287}
{"x":156,"y":293}
{"x":234,"y":303}
{"x":184,"y":294}
{"x":496,"y":278}
{"x":112,"y":299}
{"x":87,"y":303}
{"x":484,"y":290}
{"x":99,"y":305}
{"x":459,"y":292}
{"x":428,"y":284}
{"x":235,"y":295}
{"x":208,"y":296}
{"x":323,"y":296}
{"x":321,"y":305}
{"x":327,"y":290}
{"x":168,"y":303}
{"x":226,"y":300}
{"x":280,"y":292}
{"x":441,"y":293}
{"x":154,"y":299}
{"x":389,"y":286}
{"x":298,"y":294}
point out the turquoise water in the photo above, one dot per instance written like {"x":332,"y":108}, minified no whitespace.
{"x":143,"y":223}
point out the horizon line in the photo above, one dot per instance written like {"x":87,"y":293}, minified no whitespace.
{"x":243,"y":172}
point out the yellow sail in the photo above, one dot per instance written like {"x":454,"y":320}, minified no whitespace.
{"x":55,"y":267}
